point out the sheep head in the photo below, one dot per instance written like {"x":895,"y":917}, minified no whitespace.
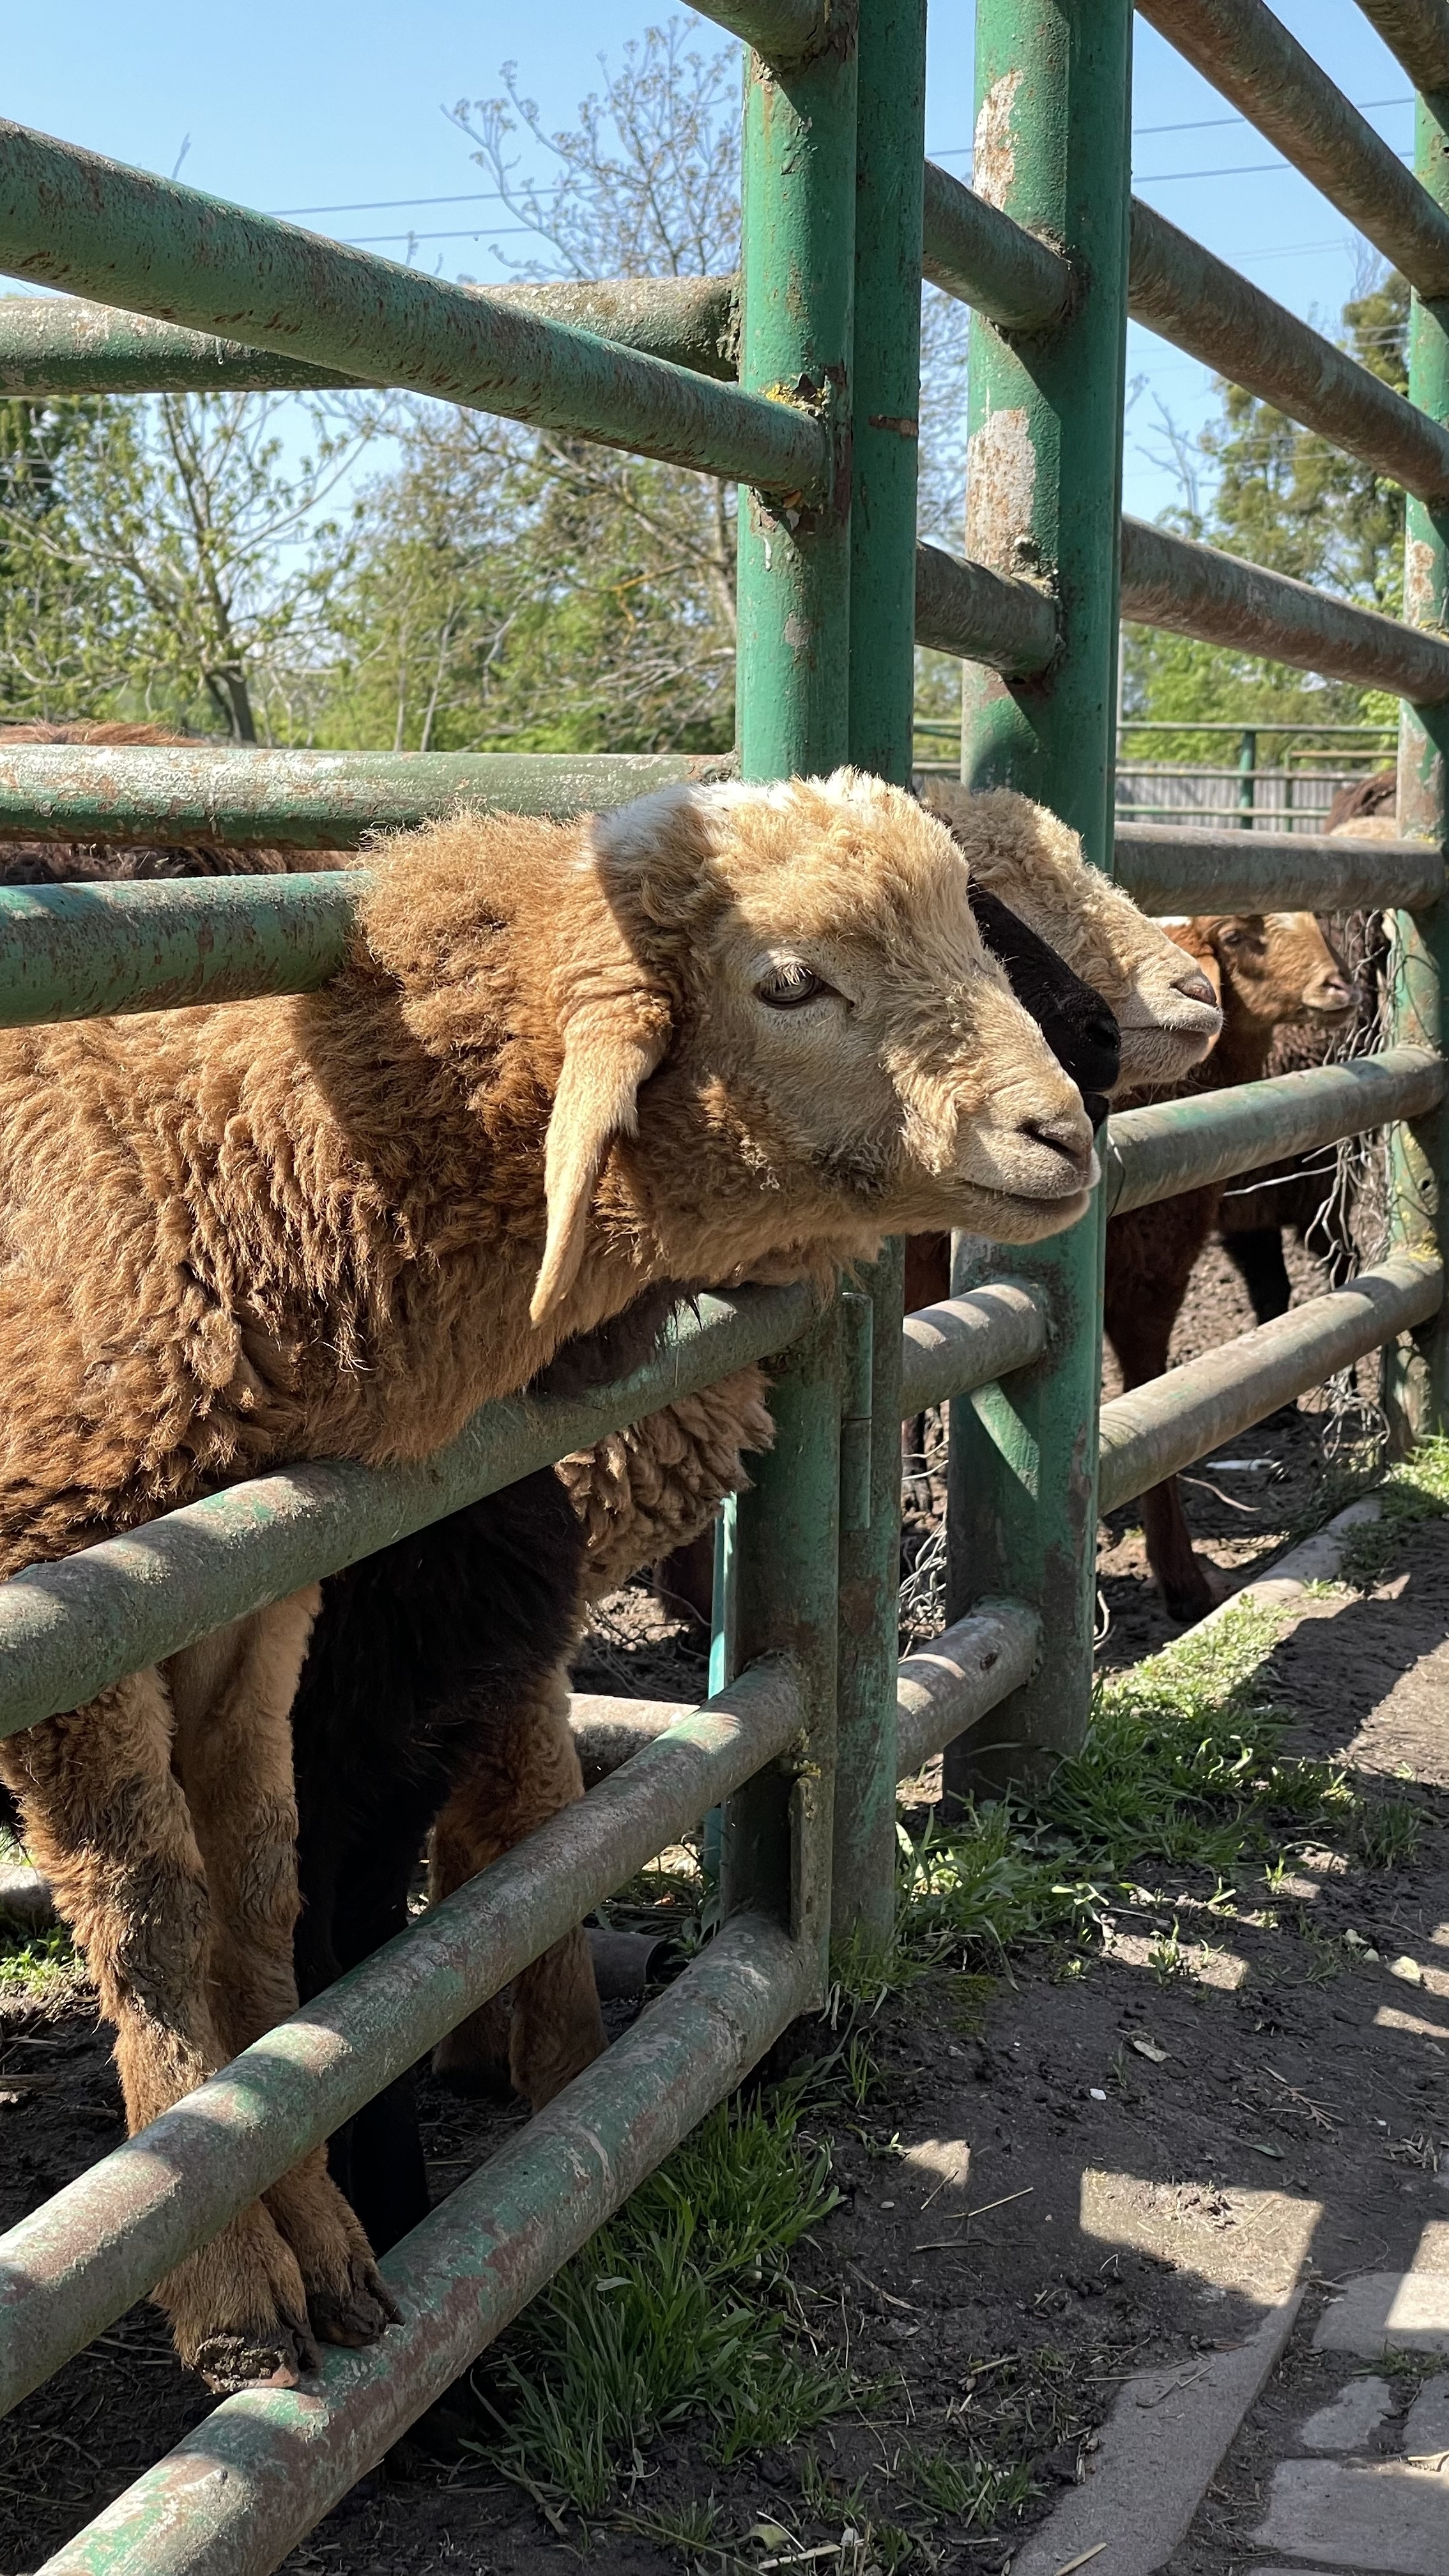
{"x":1166,"y":1011}
{"x":1272,"y":968}
{"x":759,"y":1024}
{"x":842,"y":1058}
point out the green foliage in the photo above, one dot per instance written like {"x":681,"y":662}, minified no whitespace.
{"x":1415,"y":1490}
{"x":1182,"y":1768}
{"x":676,"y":2310}
{"x":1280,"y":496}
{"x":40,"y":1968}
{"x":162,"y":557}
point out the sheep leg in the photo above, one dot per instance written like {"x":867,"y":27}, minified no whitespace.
{"x":233,"y":1698}
{"x":523,"y":1775}
{"x":1139,"y":1327}
{"x":107,"y":1821}
{"x":1256,"y":1254}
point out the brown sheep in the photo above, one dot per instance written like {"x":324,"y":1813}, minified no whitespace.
{"x":723,"y":1028}
{"x":1271,"y":969}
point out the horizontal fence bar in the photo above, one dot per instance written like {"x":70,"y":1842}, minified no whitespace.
{"x":1417,"y":35}
{"x":1195,"y":590}
{"x":1177,"y":868}
{"x":69,"y":1629}
{"x":305,"y":800}
{"x":981,"y":257}
{"x":1249,"y":55}
{"x":1200,"y":304}
{"x":65,"y":345}
{"x":970,"y":1341}
{"x":1161,"y":1427}
{"x":74,"y":220}
{"x":782,"y":30}
{"x":982,"y":616}
{"x":76,"y":2263}
{"x":947,"y":1687}
{"x":262,"y":2469}
{"x":1175,"y":1145}
{"x":942,"y":1690}
{"x":72,"y":952}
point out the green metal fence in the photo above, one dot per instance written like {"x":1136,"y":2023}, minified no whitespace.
{"x":799,"y":379}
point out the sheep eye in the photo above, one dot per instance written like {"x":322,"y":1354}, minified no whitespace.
{"x":786,"y":986}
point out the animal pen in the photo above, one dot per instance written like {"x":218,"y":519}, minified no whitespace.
{"x":800,"y":381}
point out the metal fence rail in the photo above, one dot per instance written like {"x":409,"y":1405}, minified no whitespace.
{"x":842,"y":215}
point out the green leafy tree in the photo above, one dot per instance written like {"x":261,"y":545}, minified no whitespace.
{"x":163,"y":557}
{"x":1282,"y":497}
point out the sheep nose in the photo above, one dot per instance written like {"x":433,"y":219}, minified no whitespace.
{"x":1063,"y":1134}
{"x":1328,"y":993}
{"x":1193,"y":985}
{"x":1102,"y":1053}
{"x":1097,"y":1106}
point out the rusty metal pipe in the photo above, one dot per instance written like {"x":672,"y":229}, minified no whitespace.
{"x":258,"y":2472}
{"x":1417,"y":35}
{"x":79,"y":2261}
{"x":75,"y":220}
{"x":1175,"y":1145}
{"x":1159,"y":1428}
{"x":1171,"y":868}
{"x":949,"y":1686}
{"x":1249,"y":56}
{"x":970,"y":1341}
{"x":1195,"y":590}
{"x":982,"y":616}
{"x":1200,"y":304}
{"x":242,"y":797}
{"x":975,"y":253}
{"x":66,"y":345}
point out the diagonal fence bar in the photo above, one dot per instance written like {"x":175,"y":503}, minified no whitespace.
{"x":81,"y":2259}
{"x":262,"y":2468}
{"x":1417,"y":34}
{"x":1158,"y":1152}
{"x":1196,"y":590}
{"x":1195,"y":300}
{"x":69,"y":1629}
{"x":1250,"y":57}
{"x":1166,"y":1424}
{"x":1176,"y":868}
{"x":74,"y":220}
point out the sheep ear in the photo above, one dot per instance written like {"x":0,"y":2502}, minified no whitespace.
{"x":606,"y":1057}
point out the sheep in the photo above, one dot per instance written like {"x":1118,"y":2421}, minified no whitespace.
{"x":722,"y":1028}
{"x":1166,"y":1010}
{"x":1271,"y":969}
{"x":1252,"y":1218}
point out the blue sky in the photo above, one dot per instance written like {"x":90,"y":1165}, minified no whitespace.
{"x":338,"y":107}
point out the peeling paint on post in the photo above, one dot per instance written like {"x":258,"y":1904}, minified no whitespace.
{"x":1416,"y":1374}
{"x":1053,"y":80}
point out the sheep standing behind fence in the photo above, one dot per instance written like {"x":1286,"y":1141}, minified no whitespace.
{"x":335,"y":1225}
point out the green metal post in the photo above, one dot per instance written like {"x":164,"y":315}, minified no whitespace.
{"x":1247,"y":777}
{"x":1416,"y":1374}
{"x":890,"y":168}
{"x":797,"y":292}
{"x":1053,"y":85}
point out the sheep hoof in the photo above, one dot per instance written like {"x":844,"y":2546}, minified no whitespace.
{"x":356,"y":2312}
{"x":273,"y":2355}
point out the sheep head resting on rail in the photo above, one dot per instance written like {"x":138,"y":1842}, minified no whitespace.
{"x":1166,"y":1012}
{"x":723,"y":1026}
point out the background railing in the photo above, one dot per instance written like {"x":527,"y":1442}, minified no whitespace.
{"x":802,"y":1744}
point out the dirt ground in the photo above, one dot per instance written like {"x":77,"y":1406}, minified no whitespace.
{"x":1070,"y":2169}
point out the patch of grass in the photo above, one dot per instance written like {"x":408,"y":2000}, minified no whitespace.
{"x":1415,"y":1490}
{"x":964,"y":2487}
{"x":678,"y":2311}
{"x":41,"y":1968}
{"x":1182,"y":1768}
